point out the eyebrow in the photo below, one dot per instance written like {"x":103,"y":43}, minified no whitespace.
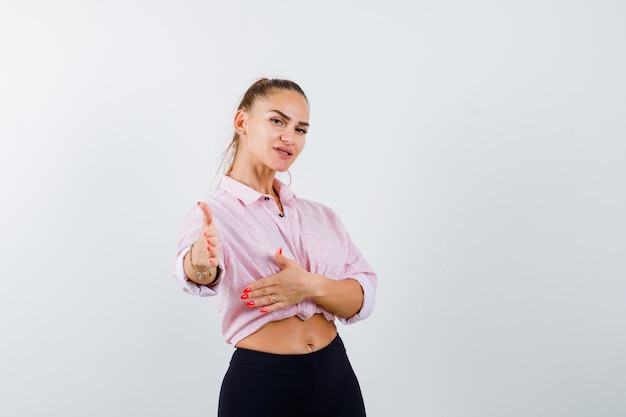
{"x":284,"y":116}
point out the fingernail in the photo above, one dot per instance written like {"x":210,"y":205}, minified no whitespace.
{"x":205,"y":234}
{"x":250,"y":303}
{"x":247,"y":289}
{"x":244,"y":296}
{"x":280,"y":250}
{"x":198,"y":203}
{"x":264,"y":310}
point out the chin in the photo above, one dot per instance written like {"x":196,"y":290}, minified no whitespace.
{"x":282,"y":167}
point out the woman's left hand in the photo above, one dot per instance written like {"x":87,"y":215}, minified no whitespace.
{"x":288,"y":287}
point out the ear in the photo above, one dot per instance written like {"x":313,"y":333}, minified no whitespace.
{"x":239,"y":122}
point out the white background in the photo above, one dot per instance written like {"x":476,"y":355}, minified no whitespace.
{"x":475,"y":150}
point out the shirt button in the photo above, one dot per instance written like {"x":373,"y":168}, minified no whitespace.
{"x":267,"y":198}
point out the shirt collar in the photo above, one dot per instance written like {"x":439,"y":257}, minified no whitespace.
{"x":248,"y":195}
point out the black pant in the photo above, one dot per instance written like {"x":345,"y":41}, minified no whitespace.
{"x":317,"y":384}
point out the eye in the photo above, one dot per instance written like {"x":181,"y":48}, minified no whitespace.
{"x":301,"y":131}
{"x":276,"y":121}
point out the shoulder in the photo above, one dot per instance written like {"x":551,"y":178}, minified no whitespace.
{"x":314,"y":206}
{"x":222,"y":200}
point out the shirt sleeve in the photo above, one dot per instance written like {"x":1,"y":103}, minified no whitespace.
{"x":357,"y":268}
{"x":187,"y":234}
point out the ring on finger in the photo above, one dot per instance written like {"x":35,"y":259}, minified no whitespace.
{"x":273,"y":298}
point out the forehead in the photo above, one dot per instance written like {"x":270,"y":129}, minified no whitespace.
{"x":289,"y":102}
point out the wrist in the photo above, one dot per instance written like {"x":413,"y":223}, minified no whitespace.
{"x":199,"y":272}
{"x":318,"y":287}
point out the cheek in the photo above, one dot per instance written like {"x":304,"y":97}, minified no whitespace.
{"x":301,"y":145}
{"x":298,"y":151}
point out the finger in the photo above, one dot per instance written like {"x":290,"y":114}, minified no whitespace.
{"x":260,"y":301}
{"x":258,"y":291}
{"x":280,"y":259}
{"x":271,"y":306}
{"x":267,"y":302}
{"x":208,"y":213}
{"x":211,"y":239}
{"x":214,"y":255}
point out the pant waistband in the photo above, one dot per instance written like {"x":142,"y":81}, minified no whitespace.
{"x":305,"y":364}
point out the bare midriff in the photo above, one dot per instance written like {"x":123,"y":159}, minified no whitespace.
{"x":292,"y":336}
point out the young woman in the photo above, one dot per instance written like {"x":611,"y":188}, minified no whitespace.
{"x":283,"y":269}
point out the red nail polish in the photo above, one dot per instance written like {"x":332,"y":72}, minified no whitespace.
{"x":199,"y":203}
{"x":244,"y":296}
{"x":264,"y":310}
{"x":280,"y":251}
{"x":247,"y":289}
{"x":250,"y":303}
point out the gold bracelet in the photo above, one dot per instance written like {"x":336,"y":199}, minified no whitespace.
{"x":201,"y":275}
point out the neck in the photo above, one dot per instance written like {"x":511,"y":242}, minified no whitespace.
{"x":261,"y":180}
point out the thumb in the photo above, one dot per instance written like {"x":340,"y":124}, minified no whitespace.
{"x":208,"y":214}
{"x":280,"y":258}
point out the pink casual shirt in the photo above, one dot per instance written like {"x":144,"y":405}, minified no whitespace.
{"x":251,"y":228}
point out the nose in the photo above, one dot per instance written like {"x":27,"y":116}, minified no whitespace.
{"x":287,"y":138}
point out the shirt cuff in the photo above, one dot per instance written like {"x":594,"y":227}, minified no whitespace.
{"x":368,"y":300}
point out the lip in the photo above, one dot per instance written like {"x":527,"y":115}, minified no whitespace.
{"x":283,"y":152}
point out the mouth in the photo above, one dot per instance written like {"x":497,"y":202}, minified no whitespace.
{"x":283,"y":151}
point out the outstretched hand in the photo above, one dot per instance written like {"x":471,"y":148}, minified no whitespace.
{"x":206,"y":249}
{"x":288,"y":287}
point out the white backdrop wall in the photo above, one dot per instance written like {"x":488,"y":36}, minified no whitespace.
{"x":475,"y":150}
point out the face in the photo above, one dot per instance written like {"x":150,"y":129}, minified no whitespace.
{"x":273,"y":132}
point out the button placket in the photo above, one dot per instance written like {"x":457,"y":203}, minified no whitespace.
{"x":267,"y":198}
